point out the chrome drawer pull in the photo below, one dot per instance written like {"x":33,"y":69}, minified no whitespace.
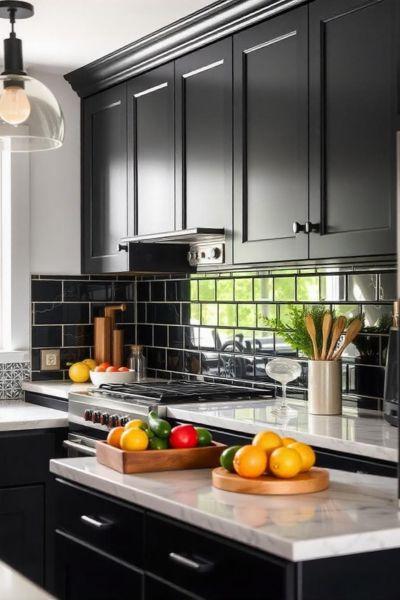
{"x":95,"y":522}
{"x":201,"y":567}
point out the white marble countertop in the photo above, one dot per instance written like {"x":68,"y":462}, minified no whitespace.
{"x":358,"y":513}
{"x":14,"y":586}
{"x":57,"y":389}
{"x":16,"y":415}
{"x":367,"y":435}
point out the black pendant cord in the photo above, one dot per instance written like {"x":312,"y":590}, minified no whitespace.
{"x":13,"y":61}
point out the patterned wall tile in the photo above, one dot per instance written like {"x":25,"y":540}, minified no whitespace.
{"x":11,"y":377}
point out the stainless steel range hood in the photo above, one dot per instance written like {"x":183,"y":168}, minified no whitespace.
{"x":196,"y":235}
{"x":175,"y":251}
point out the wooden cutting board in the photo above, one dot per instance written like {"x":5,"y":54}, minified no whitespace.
{"x":314,"y":480}
{"x":147,"y":461}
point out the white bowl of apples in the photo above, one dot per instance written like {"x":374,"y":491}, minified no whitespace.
{"x":107,"y":373}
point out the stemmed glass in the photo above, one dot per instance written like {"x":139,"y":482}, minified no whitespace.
{"x":283,"y":370}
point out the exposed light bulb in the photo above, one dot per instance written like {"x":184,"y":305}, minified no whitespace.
{"x":15,"y":107}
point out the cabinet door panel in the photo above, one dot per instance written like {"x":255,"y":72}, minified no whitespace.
{"x":83,"y":573}
{"x":22,"y":530}
{"x":203,"y":82}
{"x":271,"y":187}
{"x":151,"y":151}
{"x":104,"y":174}
{"x":352,"y":132}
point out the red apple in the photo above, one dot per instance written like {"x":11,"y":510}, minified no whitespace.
{"x":183,"y":436}
{"x":111,"y":369}
{"x":100,"y":369}
{"x":123,"y":369}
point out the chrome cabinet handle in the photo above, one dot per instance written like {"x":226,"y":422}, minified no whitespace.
{"x":201,"y":566}
{"x":95,"y":523}
{"x":81,"y":448}
{"x":311,"y":227}
{"x":122,"y":247}
{"x":297,"y":227}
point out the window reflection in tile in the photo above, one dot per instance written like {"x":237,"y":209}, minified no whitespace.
{"x":207,"y":338}
{"x":225,"y":289}
{"x":284,"y":289}
{"x":194,"y":289}
{"x":378,"y":315}
{"x":195,"y":314}
{"x":247,"y":315}
{"x":209,"y":314}
{"x":243,"y":289}
{"x":264,"y":341}
{"x":265,"y":314}
{"x":387,"y":286}
{"x":350,"y":311}
{"x":244,"y":341}
{"x":192,"y":363}
{"x":210,"y":363}
{"x":224,"y":338}
{"x":362,"y":287}
{"x":333,"y":288}
{"x":308,"y":289}
{"x":282,"y":348}
{"x":236,"y":367}
{"x":207,"y":289}
{"x":263,"y":288}
{"x":191,"y":337}
{"x":227,"y":315}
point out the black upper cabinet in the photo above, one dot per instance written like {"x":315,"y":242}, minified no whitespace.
{"x":151,"y":152}
{"x":352,"y":127}
{"x":203,"y":92}
{"x":271,"y":139}
{"x":104,"y":171}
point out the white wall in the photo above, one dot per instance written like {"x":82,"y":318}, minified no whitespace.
{"x":55,"y":192}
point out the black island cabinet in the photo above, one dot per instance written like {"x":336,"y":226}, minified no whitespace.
{"x":106,"y":548}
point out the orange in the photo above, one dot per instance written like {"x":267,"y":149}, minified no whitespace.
{"x":134,"y":439}
{"x":285,"y":463}
{"x":287,"y":441}
{"x":267,"y":441}
{"x":134,"y":424}
{"x":79,"y":372}
{"x":307,"y":455}
{"x":250,"y":461}
{"x":114,"y":436}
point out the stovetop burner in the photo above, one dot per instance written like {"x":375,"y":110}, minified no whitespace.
{"x":178,"y":391}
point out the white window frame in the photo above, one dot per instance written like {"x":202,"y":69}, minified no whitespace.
{"x":14,"y":258}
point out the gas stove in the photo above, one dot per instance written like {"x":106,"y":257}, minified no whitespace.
{"x":111,"y":405}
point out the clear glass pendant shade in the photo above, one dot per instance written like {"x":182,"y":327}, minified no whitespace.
{"x":30,"y":116}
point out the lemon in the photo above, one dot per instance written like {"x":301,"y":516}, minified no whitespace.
{"x":79,"y":372}
{"x":285,"y":463}
{"x":90,"y":362}
{"x":307,"y":455}
{"x":134,"y":439}
{"x":135,"y":424}
{"x":267,"y":441}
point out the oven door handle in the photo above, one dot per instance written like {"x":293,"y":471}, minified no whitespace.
{"x":83,"y":449}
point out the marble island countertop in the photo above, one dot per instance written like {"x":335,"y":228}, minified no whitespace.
{"x":358,"y":513}
{"x":14,"y":586}
{"x":16,"y":415}
{"x":367,"y":435}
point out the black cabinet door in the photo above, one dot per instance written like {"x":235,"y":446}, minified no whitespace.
{"x":151,"y":152}
{"x":271,"y":139}
{"x":104,"y":177}
{"x":156,"y":589}
{"x":203,"y":88}
{"x":352,"y":127}
{"x":22,"y":530}
{"x":84,"y":573}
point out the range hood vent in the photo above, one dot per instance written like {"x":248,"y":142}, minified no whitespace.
{"x":196,"y":235}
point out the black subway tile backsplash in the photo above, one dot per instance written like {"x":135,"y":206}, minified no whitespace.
{"x":46,"y":291}
{"x":46,"y":337}
{"x":64,"y":313}
{"x":78,"y":335}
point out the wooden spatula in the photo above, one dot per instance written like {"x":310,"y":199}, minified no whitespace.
{"x":326,"y":329}
{"x":310,"y":325}
{"x":337,"y":331}
{"x":352,"y":332}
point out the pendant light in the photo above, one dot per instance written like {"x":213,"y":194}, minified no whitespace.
{"x":30,"y":116}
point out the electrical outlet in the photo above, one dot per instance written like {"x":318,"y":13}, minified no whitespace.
{"x":50,"y":360}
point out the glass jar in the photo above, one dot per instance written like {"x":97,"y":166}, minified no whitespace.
{"x":137,"y":362}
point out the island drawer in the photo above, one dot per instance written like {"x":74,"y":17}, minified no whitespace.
{"x":108,"y":525}
{"x":208,"y":566}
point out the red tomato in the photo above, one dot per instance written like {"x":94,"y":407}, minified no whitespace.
{"x":111,"y":369}
{"x":100,"y":369}
{"x":123,"y":369}
{"x":105,"y":365}
{"x":183,"y":436}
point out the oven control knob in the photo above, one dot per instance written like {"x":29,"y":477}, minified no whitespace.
{"x":88,"y":414}
{"x":96,"y":416}
{"x":104,"y":418}
{"x":123,"y":421}
{"x":114,"y":421}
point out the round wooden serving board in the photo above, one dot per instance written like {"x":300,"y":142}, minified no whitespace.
{"x":314,"y":480}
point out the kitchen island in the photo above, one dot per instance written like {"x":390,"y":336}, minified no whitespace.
{"x":14,"y":586}
{"x":193,"y":539}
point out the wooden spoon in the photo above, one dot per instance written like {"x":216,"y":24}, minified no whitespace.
{"x":352,"y":332}
{"x":310,"y":325}
{"x":337,"y":331}
{"x":326,"y":329}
